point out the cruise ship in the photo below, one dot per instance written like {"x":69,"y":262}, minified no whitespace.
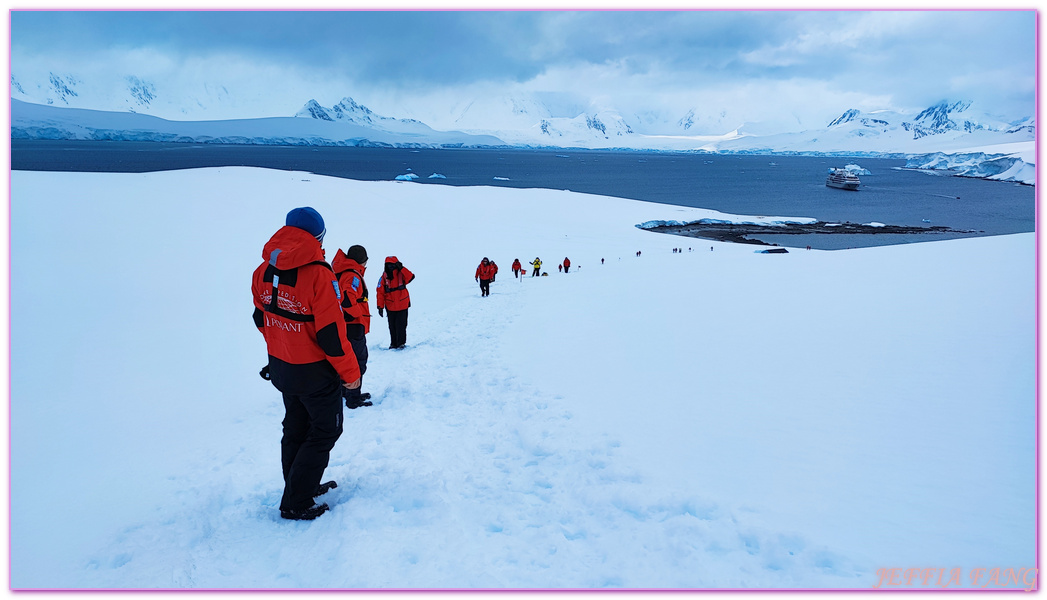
{"x":843,"y":179}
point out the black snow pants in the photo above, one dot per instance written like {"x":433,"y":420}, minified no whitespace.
{"x":312,"y":424}
{"x":397,"y":328}
{"x":485,"y":287}
{"x":357,"y":339}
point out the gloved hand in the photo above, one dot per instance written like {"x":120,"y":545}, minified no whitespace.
{"x":264,"y":373}
{"x":476,"y":279}
{"x":380,"y":313}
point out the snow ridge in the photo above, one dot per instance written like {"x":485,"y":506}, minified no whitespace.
{"x":349,"y":111}
{"x":846,"y":117}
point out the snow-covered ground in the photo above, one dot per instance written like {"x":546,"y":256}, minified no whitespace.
{"x":716,"y":418}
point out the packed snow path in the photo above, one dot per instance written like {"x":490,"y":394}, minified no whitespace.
{"x":460,"y":476}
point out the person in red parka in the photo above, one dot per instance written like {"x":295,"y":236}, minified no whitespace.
{"x":297,"y":311}
{"x":566,"y":264}
{"x":349,"y":266}
{"x":393,"y":296}
{"x":517,"y":267}
{"x":485,"y":273}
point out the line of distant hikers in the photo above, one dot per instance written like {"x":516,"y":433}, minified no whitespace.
{"x":314,"y":317}
{"x":487,"y":269}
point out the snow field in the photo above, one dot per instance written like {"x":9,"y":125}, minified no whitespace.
{"x":715,"y":419}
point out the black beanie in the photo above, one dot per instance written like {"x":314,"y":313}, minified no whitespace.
{"x":357,"y":253}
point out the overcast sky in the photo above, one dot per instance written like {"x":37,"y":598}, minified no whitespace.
{"x":811,"y":62}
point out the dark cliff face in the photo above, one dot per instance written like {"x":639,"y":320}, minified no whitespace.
{"x":314,"y":110}
{"x":687,"y":121}
{"x":63,"y":87}
{"x":142,"y":92}
{"x":349,"y":110}
{"x":846,"y":117}
{"x":938,"y":118}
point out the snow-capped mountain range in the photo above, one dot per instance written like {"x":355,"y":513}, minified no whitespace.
{"x":37,"y":121}
{"x":942,"y":118}
{"x":141,"y":110}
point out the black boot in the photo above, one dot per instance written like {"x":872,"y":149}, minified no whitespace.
{"x":306,"y":514}
{"x":323,"y":488}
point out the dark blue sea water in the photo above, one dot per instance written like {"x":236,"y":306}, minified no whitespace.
{"x":758,"y":185}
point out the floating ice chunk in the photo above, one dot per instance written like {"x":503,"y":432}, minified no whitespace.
{"x":407,"y":177}
{"x":437,"y":176}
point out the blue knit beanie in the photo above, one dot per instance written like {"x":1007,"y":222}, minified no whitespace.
{"x":308,"y":219}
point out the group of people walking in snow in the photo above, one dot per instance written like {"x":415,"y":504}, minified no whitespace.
{"x":485,"y":273}
{"x":487,"y":269}
{"x":314,"y":317}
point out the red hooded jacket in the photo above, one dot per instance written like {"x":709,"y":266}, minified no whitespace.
{"x":305,"y":325}
{"x":354,"y":291}
{"x":392,"y":289}
{"x":487,"y":271}
{"x":517,"y":266}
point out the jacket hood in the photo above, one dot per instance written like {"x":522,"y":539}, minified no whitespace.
{"x":297,"y":247}
{"x":391,"y":259}
{"x":343,"y":263}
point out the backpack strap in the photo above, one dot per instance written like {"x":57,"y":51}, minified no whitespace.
{"x":363,"y":297}
{"x":347,"y":302}
{"x":402,"y":286}
{"x":290,"y":277}
{"x":273,"y":304}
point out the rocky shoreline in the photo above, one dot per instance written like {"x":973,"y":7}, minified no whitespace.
{"x":743,"y":233}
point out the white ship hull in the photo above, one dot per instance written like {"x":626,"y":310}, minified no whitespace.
{"x":842,"y":179}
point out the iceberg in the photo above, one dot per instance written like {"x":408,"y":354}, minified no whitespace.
{"x":857,"y":170}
